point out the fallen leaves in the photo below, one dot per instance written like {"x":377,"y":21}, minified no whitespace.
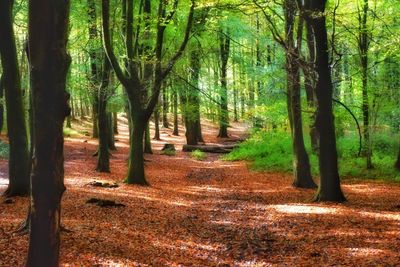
{"x":209,"y":214}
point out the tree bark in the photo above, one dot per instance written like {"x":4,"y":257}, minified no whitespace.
{"x":224,"y":56}
{"x":301,"y":162}
{"x":136,"y":160}
{"x":176,"y":119}
{"x":103,"y":158}
{"x":48,"y":35}
{"x":18,"y":164}
{"x":165,"y":107}
{"x":329,"y":188}
{"x":398,"y":161}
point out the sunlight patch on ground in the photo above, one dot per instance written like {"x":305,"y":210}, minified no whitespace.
{"x":386,"y":216}
{"x":3,"y":181}
{"x":303,"y":209}
{"x":363,"y":252}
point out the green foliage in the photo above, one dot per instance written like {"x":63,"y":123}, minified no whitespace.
{"x":71,"y":132}
{"x":169,"y":152}
{"x":272,"y":151}
{"x":4,"y":150}
{"x":198,"y":155}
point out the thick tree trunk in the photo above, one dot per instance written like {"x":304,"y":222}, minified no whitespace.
{"x":136,"y":173}
{"x":48,"y":35}
{"x":329,"y":188}
{"x":18,"y":164}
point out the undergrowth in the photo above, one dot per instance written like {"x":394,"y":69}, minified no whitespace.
{"x":199,"y":155}
{"x":272,"y":151}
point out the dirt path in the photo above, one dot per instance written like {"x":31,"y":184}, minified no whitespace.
{"x":209,"y":213}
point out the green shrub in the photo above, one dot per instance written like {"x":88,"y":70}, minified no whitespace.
{"x":169,"y":152}
{"x":272,"y":151}
{"x":198,"y":155}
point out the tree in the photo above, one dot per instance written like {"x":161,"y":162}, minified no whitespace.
{"x":363,"y":46}
{"x":398,"y":161}
{"x":224,"y":49}
{"x":301,"y":162}
{"x":19,"y":162}
{"x":47,"y":45}
{"x":329,"y":188}
{"x":141,"y":106}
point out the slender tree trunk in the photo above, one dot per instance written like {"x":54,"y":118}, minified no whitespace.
{"x":111,"y":135}
{"x":329,"y":188}
{"x":224,"y":54}
{"x":103,"y":158}
{"x":18,"y":164}
{"x":157,"y":124}
{"x":364,"y":47}
{"x":1,"y":104}
{"x":398,"y":161}
{"x":309,"y":85}
{"x":301,"y":162}
{"x":48,"y":35}
{"x":176,"y":119}
{"x":115,"y":122}
{"x":165,"y":107}
{"x":147,"y":140}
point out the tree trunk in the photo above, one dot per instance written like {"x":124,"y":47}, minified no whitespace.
{"x":301,"y":162}
{"x":1,"y":104}
{"x":309,"y":85}
{"x":363,"y":48}
{"x":136,"y":160}
{"x":103,"y":157}
{"x":224,"y":54}
{"x":398,"y":161}
{"x":48,"y":35}
{"x":165,"y":108}
{"x":147,"y":140}
{"x":157,"y":124}
{"x":329,"y":188}
{"x":18,"y":164}
{"x":111,"y":136}
{"x":176,"y":119}
{"x":115,"y":122}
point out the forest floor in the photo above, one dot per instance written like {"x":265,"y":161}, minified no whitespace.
{"x":208,"y":213}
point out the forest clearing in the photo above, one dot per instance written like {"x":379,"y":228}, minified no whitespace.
{"x":209,"y":213}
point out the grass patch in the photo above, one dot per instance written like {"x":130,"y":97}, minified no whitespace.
{"x":272,"y":151}
{"x":68,"y":132}
{"x":169,"y":152}
{"x":198,"y":155}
